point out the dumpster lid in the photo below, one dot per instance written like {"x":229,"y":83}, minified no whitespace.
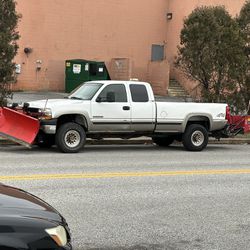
{"x":83,"y":60}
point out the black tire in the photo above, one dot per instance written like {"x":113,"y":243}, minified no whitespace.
{"x":70,"y":138}
{"x":45,"y":140}
{"x":195,"y":137}
{"x":163,"y":141}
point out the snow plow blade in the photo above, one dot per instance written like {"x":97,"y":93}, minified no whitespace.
{"x":247,"y":124}
{"x":239,"y":124}
{"x":18,"y":127}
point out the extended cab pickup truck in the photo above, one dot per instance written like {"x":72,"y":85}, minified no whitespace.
{"x":124,"y":109}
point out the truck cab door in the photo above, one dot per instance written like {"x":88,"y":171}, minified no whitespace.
{"x":142,"y":108}
{"x":110,"y":111}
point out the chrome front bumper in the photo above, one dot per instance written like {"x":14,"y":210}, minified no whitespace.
{"x":48,"y":126}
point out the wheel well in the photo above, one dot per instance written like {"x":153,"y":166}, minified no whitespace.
{"x":79,"y":119}
{"x":201,"y":120}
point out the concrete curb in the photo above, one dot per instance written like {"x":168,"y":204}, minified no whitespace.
{"x":231,"y":141}
{"x":149,"y":141}
{"x":142,"y":141}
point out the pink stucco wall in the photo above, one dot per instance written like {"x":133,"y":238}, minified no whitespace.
{"x":57,"y":30}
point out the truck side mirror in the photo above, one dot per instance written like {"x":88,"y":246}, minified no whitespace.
{"x":111,"y":96}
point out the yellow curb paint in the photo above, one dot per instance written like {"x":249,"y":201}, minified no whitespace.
{"x":123,"y":174}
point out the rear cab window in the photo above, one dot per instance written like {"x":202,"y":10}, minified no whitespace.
{"x":139,"y":93}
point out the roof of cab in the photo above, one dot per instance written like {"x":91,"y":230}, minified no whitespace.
{"x":117,"y":82}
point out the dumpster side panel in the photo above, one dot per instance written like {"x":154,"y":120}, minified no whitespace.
{"x":78,"y":71}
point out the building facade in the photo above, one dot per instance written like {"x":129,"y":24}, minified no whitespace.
{"x":142,"y":34}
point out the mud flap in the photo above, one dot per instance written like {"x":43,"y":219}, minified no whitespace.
{"x":18,"y":127}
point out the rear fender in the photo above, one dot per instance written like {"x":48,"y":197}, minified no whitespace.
{"x":198,"y":118}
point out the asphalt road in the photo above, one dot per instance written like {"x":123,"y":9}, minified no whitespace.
{"x":141,"y":197}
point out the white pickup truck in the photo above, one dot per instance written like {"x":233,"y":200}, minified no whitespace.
{"x":124,"y":109}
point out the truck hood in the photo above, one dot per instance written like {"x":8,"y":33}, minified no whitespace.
{"x":52,"y":103}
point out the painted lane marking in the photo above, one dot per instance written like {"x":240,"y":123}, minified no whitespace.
{"x":123,"y":174}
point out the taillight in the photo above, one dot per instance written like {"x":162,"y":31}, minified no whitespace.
{"x":228,"y":115}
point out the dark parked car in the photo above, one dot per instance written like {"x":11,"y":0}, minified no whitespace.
{"x":28,"y":223}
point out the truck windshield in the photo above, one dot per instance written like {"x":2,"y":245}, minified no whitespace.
{"x":86,"y":91}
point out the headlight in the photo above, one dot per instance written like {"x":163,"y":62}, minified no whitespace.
{"x":46,"y":114}
{"x":58,"y":234}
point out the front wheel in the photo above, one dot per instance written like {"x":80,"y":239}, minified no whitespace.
{"x":195,"y":138}
{"x":70,"y":138}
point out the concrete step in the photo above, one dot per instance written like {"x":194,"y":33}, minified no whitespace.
{"x":176,"y":90}
{"x":174,"y":82}
{"x":179,"y":95}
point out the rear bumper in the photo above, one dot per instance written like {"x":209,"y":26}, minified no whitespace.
{"x":218,"y":125}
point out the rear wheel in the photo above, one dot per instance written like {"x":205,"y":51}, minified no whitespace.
{"x":70,"y":138}
{"x":163,"y":141}
{"x":195,"y":138}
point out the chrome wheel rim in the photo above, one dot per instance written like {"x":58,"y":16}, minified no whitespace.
{"x":72,"y":138}
{"x":197,"y":138}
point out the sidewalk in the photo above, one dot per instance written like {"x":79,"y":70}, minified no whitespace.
{"x":20,"y":97}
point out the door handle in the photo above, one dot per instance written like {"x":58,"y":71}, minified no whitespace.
{"x":126,"y":108}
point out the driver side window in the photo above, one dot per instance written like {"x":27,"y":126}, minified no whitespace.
{"x":113,"y":93}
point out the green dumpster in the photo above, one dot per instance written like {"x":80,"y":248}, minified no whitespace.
{"x":78,"y":71}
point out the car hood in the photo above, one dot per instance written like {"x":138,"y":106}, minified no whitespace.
{"x":18,"y":203}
